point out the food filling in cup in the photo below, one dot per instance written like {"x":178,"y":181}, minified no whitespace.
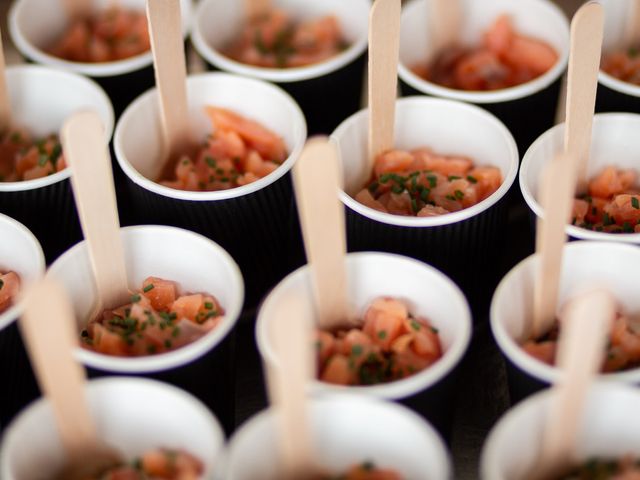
{"x":423,"y":183}
{"x":626,"y":468}
{"x":364,"y":471}
{"x":623,"y":64}
{"x":612,"y":203}
{"x":24,"y":158}
{"x":275,"y":40}
{"x":9,"y":288}
{"x":238,"y":152}
{"x":106,"y":36}
{"x":504,"y":59}
{"x":390,"y":345}
{"x":156,"y":321}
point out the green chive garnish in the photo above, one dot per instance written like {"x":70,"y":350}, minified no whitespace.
{"x":210,"y":161}
{"x":42,"y":160}
{"x":459,"y":195}
{"x":635,"y":203}
{"x":382,"y":334}
{"x":1,"y":284}
{"x":148,"y":288}
{"x":167,"y":343}
{"x":415,"y":325}
{"x":356,"y":350}
{"x":454,"y":177}
{"x":472,"y":179}
{"x":208,"y":305}
{"x":135,"y":298}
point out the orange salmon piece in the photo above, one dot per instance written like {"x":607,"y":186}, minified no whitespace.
{"x":188,"y":306}
{"x":161,"y":293}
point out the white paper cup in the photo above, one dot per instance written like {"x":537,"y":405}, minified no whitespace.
{"x":41,"y":100}
{"x":427,"y":292}
{"x":197,"y":264}
{"x":132,"y":415}
{"x":344,"y":435}
{"x":34,"y":25}
{"x":260,"y":213}
{"x":585,"y":266}
{"x":609,"y":429}
{"x":614,"y":142}
{"x":20,"y":252}
{"x":458,"y":243}
{"x":328,"y":91}
{"x":530,"y":106}
{"x":617,"y":95}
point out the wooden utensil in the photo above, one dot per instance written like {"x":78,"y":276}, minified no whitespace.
{"x":582,"y":83}
{"x":632,"y":33}
{"x":49,"y":330}
{"x":78,"y":8}
{"x":317,"y":181}
{"x":257,"y":8}
{"x":5,"y":101}
{"x":291,"y":332}
{"x":167,"y":45}
{"x":384,"y":47}
{"x":445,"y":24}
{"x":85,"y":150}
{"x":583,"y":337}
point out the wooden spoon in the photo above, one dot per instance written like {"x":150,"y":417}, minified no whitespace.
{"x":632,"y":34}
{"x":257,"y":8}
{"x":167,"y":45}
{"x":317,"y":181}
{"x":49,"y":330}
{"x":78,"y":8}
{"x":5,"y":101}
{"x":287,"y":383}
{"x":445,"y":24}
{"x":582,"y":83}
{"x":384,"y":50}
{"x":85,"y":151}
{"x":583,"y":337}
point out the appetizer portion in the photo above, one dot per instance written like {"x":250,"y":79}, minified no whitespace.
{"x":623,"y":348}
{"x":626,"y":468}
{"x":156,"y":321}
{"x":25,"y":158}
{"x":423,"y":183}
{"x":612,"y":204}
{"x":623,"y":65}
{"x":238,"y":152}
{"x":391,"y":344}
{"x":365,"y":471}
{"x":160,"y":464}
{"x":107,"y":36}
{"x":276,"y":40}
{"x":504,"y":59}
{"x":9,"y":288}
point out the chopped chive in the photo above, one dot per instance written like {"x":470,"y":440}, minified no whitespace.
{"x":42,"y":160}
{"x":210,"y":161}
{"x":454,"y":177}
{"x":607,"y":220}
{"x":472,"y":179}
{"x":151,"y":349}
{"x":385,"y":177}
{"x":627,"y":228}
{"x":208,"y":305}
{"x":424,"y":194}
{"x":175,"y":332}
{"x":356,"y":350}
{"x":433,"y":180}
{"x":459,"y":195}
{"x":415,"y":325}
{"x":55,"y":153}
{"x":382,"y":334}
{"x":434,"y":330}
{"x":16,"y":137}
{"x":84,"y":333}
{"x":635,"y":203}
{"x":148,"y":288}
{"x":211,"y":314}
{"x":167,"y":343}
{"x":414,"y":205}
{"x":373,"y":187}
{"x":397,"y":189}
{"x":450,"y":197}
{"x":135,"y":298}
{"x":588,"y":199}
{"x":1,"y":284}
{"x":173,"y":316}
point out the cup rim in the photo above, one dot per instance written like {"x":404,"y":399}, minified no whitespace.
{"x":510,"y":348}
{"x":26,"y":185}
{"x":490,"y":457}
{"x":113,"y":382}
{"x":416,"y":383}
{"x":494,"y":96}
{"x":246,"y":428}
{"x":618,"y":85}
{"x":13,"y":312}
{"x":529,"y":197}
{"x":278,"y":75}
{"x":151,"y":186}
{"x":449,"y":218}
{"x":180,"y":356}
{"x":92,"y":69}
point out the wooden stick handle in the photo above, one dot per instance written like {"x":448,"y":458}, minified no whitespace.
{"x":556,"y":195}
{"x":582,"y":83}
{"x":257,"y":8}
{"x":317,"y":179}
{"x":632,"y":34}
{"x":384,"y":47}
{"x":167,"y":45}
{"x":48,"y":328}
{"x":583,"y":337}
{"x":5,"y":101}
{"x":85,"y":151}
{"x":78,"y":8}
{"x":445,"y":23}
{"x":291,"y":334}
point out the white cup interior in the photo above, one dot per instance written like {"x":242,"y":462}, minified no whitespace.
{"x":343,"y":434}
{"x":35,"y":25}
{"x":42,"y":99}
{"x":218,"y":22}
{"x":609,"y":429}
{"x":585,"y":267}
{"x":196,"y":263}
{"x":616,"y":17}
{"x":20,"y":252}
{"x":427,"y":292}
{"x":614,"y":142}
{"x":130,"y":415}
{"x":540,"y":19}
{"x":138,"y":140}
{"x":446,"y":126}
